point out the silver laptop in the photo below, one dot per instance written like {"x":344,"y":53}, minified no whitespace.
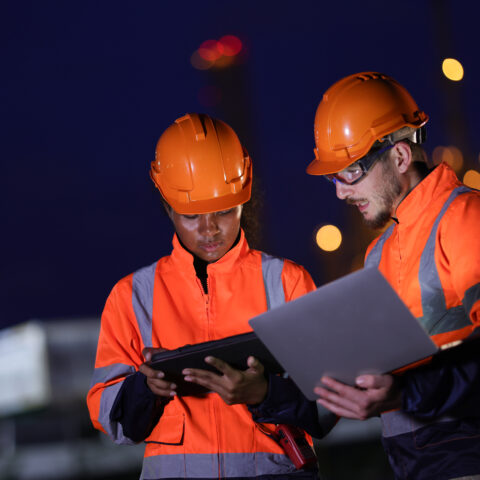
{"x":354,"y":325}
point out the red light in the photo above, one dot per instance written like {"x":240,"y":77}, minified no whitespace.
{"x":209,"y":50}
{"x":218,"y":53}
{"x":229,"y":45}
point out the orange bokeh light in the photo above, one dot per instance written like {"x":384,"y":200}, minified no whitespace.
{"x":200,"y":63}
{"x":209,"y":50}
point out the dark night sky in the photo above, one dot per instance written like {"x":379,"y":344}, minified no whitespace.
{"x":87,"y":87}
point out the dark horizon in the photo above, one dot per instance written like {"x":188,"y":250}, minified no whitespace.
{"x":88,"y":87}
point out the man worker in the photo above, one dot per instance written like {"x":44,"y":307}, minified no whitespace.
{"x":368,"y":132}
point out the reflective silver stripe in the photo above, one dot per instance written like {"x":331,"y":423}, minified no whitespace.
{"x":105,"y":374}
{"x":272,"y":268}
{"x":433,"y":298}
{"x":398,"y":423}
{"x":223,"y":465}
{"x":272,"y":279}
{"x":142,"y":301}
{"x":114,"y":429}
{"x":373,"y":258}
{"x":453,"y":319}
{"x":472,"y":296}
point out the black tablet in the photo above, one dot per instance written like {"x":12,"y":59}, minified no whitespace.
{"x":234,"y":350}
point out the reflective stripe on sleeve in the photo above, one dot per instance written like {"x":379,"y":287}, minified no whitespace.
{"x":114,"y":429}
{"x":452,"y":319}
{"x":433,"y":298}
{"x":397,"y":423}
{"x":110,"y":372}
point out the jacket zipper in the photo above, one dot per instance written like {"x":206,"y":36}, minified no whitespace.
{"x":213,"y":399}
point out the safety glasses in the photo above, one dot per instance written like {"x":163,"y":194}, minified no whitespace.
{"x":358,"y":170}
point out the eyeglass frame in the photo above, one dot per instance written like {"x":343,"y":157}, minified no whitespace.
{"x":365,"y":163}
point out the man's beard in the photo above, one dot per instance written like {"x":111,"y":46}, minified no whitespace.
{"x":385,"y":198}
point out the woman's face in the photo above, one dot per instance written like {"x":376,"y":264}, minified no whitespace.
{"x":208,"y":235}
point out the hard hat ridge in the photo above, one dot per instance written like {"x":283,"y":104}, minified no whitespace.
{"x":200,"y":166}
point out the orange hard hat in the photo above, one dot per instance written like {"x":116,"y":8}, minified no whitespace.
{"x":358,"y":111}
{"x":201,"y":167}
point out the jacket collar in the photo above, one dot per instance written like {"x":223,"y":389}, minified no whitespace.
{"x":440,"y":180}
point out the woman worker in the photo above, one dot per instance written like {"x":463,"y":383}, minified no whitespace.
{"x":208,"y":288}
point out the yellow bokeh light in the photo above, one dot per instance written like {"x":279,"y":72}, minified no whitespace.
{"x":329,"y":238}
{"x":472,"y":179}
{"x":457,"y":158}
{"x":450,"y":155}
{"x":452,"y":69}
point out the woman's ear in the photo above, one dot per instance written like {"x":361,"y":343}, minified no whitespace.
{"x":403,"y":157}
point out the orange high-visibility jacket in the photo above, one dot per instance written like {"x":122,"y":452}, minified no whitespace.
{"x":164,"y":305}
{"x":431,"y":257}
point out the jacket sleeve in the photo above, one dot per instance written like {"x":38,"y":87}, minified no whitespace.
{"x":136,"y":408}
{"x":118,"y":358}
{"x":285,"y":403}
{"x":451,"y":383}
{"x":459,"y":252}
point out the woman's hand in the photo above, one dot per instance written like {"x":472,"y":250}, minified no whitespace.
{"x":155,"y":381}
{"x":234,"y":386}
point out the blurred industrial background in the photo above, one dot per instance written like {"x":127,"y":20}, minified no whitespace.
{"x":86,"y":89}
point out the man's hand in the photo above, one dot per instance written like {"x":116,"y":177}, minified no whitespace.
{"x":234,"y":386}
{"x":155,"y":381}
{"x":372,"y":395}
